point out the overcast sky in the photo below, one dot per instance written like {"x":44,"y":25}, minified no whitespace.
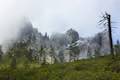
{"x":58,"y":15}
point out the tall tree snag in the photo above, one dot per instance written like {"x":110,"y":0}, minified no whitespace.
{"x":107,"y":20}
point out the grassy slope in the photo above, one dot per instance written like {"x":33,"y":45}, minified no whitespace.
{"x":103,"y":68}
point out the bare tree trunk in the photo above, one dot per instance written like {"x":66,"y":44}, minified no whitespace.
{"x":110,"y":34}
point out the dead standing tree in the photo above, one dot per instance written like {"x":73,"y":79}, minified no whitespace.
{"x":107,"y":21}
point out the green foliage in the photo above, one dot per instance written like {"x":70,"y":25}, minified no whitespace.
{"x":101,"y":68}
{"x":117,"y":49}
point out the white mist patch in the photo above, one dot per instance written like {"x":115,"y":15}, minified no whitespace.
{"x":9,"y":32}
{"x":53,"y":15}
{"x":10,"y":21}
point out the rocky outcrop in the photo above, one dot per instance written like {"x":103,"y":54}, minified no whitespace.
{"x":89,"y":47}
{"x":95,"y":46}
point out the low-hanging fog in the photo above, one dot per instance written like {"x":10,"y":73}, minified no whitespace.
{"x":55,"y":16}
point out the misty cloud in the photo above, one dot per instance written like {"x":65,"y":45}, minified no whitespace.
{"x":54,"y":15}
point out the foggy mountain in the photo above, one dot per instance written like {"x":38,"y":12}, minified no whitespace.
{"x":89,"y":47}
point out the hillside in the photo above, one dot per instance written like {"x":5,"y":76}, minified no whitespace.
{"x":58,"y":47}
{"x":60,"y":56}
{"x":102,"y":68}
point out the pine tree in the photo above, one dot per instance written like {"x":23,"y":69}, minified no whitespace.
{"x":1,"y":53}
{"x":117,"y":48}
{"x":52,"y":54}
{"x":42,"y":55}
